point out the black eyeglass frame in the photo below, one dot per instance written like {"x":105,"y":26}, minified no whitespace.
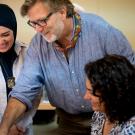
{"x":38,"y":22}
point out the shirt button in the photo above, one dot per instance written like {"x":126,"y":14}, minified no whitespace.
{"x":77,"y":90}
{"x":72,"y":72}
{"x":82,"y":106}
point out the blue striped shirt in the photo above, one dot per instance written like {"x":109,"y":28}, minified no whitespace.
{"x":65,"y":82}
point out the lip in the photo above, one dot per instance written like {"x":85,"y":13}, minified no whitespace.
{"x":2,"y":46}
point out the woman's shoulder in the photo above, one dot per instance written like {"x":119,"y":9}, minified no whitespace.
{"x":129,"y":127}
{"x":97,"y":119}
{"x":97,"y":123}
{"x":98,"y":115}
{"x":21,"y":44}
{"x":20,"y":47}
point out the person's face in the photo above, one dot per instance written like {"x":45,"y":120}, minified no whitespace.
{"x":54,"y":26}
{"x":6,"y":39}
{"x":95,"y":101}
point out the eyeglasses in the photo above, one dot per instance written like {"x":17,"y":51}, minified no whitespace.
{"x":41,"y":22}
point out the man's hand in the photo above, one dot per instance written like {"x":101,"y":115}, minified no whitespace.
{"x":14,"y":130}
{"x":14,"y":110}
{"x":3,"y":131}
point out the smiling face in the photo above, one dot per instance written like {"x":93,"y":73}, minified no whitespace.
{"x":6,"y":39}
{"x":95,"y":100}
{"x":54,"y":24}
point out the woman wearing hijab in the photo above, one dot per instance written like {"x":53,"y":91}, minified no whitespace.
{"x":11,"y":60}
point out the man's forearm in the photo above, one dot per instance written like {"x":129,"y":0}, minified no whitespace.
{"x":14,"y":109}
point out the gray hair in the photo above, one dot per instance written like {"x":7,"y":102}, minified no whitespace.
{"x":55,"y":5}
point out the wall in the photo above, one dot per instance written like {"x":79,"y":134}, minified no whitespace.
{"x":120,"y":13}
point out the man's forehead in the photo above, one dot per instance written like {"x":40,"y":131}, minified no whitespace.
{"x":39,"y":10}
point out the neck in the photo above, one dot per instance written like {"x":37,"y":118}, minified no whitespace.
{"x":107,"y":126}
{"x":67,"y":34}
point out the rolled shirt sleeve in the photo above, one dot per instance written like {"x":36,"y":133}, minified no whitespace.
{"x":29,"y":82}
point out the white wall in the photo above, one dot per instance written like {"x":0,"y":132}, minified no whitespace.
{"x":120,"y":13}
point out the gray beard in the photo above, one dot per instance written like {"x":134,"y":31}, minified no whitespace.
{"x":52,"y":39}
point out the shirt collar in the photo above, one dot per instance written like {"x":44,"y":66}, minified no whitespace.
{"x":75,"y":34}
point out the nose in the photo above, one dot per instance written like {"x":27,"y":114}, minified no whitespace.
{"x":87,"y":96}
{"x":2,"y":40}
{"x":39,"y":28}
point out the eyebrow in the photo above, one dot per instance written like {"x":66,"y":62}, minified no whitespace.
{"x":46,"y":17}
{"x":5,"y":33}
{"x":40,"y":19}
{"x":88,"y":89}
{"x":36,"y":21}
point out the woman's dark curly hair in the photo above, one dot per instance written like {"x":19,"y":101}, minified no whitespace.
{"x":113,"y":77}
